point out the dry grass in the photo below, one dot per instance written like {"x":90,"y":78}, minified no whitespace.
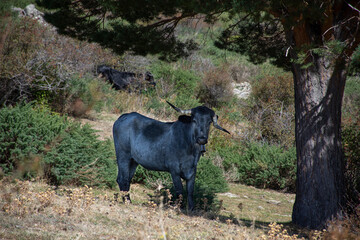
{"x":35,"y":210}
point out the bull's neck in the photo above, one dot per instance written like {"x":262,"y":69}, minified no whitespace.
{"x":187,"y":135}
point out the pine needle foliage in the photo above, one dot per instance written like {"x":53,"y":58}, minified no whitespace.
{"x":26,"y":130}
{"x":66,"y":152}
{"x":261,"y":165}
{"x":81,"y":159}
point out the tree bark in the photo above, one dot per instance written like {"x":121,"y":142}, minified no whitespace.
{"x":320,"y":166}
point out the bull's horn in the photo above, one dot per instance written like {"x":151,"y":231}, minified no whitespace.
{"x":180,"y":110}
{"x":217,"y":126}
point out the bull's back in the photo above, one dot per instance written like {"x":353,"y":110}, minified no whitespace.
{"x":136,"y":129}
{"x":126,"y":124}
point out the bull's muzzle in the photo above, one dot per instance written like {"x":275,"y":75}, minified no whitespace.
{"x":201,"y":140}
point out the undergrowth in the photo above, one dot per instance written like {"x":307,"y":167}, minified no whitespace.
{"x":259,"y":164}
{"x":36,"y":142}
{"x":209,"y":181}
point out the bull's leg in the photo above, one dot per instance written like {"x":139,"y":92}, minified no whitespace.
{"x":177,"y":184}
{"x":133,"y":166}
{"x":132,"y":169}
{"x":124,"y":170}
{"x":123,"y":176}
{"x":190,"y":185}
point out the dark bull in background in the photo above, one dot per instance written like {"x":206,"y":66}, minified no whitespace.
{"x":126,"y":80}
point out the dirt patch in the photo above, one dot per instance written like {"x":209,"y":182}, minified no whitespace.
{"x":102,"y":122}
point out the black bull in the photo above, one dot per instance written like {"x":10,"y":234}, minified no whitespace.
{"x":173,"y":147}
{"x":126,"y":80}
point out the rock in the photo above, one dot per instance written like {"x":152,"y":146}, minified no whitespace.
{"x":229,"y":194}
{"x":31,"y":11}
{"x":242,"y":90}
{"x":275,"y":202}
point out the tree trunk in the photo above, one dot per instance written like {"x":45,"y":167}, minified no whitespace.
{"x":320,"y":166}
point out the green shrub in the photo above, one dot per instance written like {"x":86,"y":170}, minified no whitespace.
{"x":26,"y":130}
{"x":351,"y":142}
{"x":155,"y":104}
{"x":261,"y":165}
{"x":351,"y":101}
{"x":151,"y":178}
{"x":80,"y":158}
{"x":85,"y":93}
{"x":350,"y":134}
{"x":177,"y":84}
{"x":209,"y":180}
{"x":209,"y":177}
{"x":354,"y":68}
{"x":32,"y":138}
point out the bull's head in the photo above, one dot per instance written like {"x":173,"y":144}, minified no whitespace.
{"x":201,"y":117}
{"x":150,"y":78}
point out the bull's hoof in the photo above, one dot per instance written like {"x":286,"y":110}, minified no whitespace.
{"x":126,"y":198}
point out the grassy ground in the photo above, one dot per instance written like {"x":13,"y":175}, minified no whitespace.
{"x":249,"y":204}
{"x":35,"y":210}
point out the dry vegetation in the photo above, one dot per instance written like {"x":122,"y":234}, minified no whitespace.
{"x":35,"y":210}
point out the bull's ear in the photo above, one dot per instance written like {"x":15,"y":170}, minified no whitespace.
{"x":184,"y":118}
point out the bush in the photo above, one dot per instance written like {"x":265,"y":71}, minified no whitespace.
{"x":59,"y":150}
{"x":215,"y":88}
{"x":350,"y":134}
{"x":25,"y":131}
{"x":271,"y":108}
{"x":21,"y":39}
{"x":354,"y":68}
{"x":177,"y":84}
{"x":209,"y":180}
{"x":152,"y":178}
{"x":88,"y":93}
{"x":261,"y":165}
{"x":351,"y":144}
{"x":272,"y":88}
{"x":36,"y":61}
{"x":209,"y":177}
{"x":351,"y":101}
{"x":80,"y":158}
{"x":344,"y":227}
